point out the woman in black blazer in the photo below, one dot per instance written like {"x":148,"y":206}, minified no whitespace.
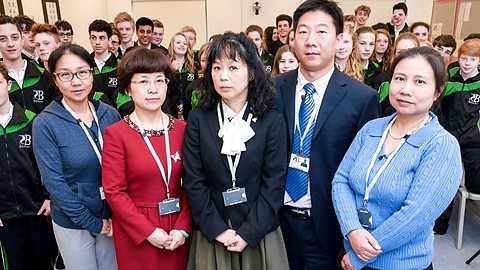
{"x":236,"y":132}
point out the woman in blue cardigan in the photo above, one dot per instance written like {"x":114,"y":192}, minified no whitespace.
{"x":67,"y":141}
{"x":387,"y":203}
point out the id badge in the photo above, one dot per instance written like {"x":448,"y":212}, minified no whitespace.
{"x":299,"y":162}
{"x":365,"y":217}
{"x":169,"y":206}
{"x":234,"y":196}
{"x":102,"y":193}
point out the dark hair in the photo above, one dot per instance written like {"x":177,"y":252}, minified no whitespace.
{"x":261,"y":94}
{"x":472,"y":36}
{"x":415,"y":24}
{"x":26,"y":21}
{"x":268,"y":33}
{"x":401,"y":6}
{"x":143,"y":21}
{"x":4,"y":71}
{"x":69,"y":49}
{"x":116,"y":32}
{"x":445,"y":41}
{"x":5,"y":19}
{"x":380,"y":26}
{"x":100,"y":26}
{"x":283,"y":17}
{"x":63,"y":25}
{"x":327,"y":6}
{"x":436,"y":63}
{"x":141,"y":60}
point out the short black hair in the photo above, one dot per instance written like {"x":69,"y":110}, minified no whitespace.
{"x":63,"y":24}
{"x":143,"y":21}
{"x":380,"y":26}
{"x":5,"y":19}
{"x":283,"y":17}
{"x":26,"y":21}
{"x":327,"y":6}
{"x":100,"y":26}
{"x":69,"y":49}
{"x":261,"y":93}
{"x":401,"y":6}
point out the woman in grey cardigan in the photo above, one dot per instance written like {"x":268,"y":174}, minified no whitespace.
{"x":68,"y":139}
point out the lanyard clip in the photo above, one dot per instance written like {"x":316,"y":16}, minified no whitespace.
{"x":365,"y":202}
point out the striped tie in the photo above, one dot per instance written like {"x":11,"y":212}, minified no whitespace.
{"x":297,"y":181}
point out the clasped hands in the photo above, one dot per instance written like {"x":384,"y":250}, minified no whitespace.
{"x":160,"y":239}
{"x":364,"y":245}
{"x":232,"y":240}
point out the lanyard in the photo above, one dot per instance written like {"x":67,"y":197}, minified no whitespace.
{"x":310,"y":122}
{"x":165,"y":178}
{"x":84,"y":128}
{"x":232,"y":164}
{"x":369,"y":187}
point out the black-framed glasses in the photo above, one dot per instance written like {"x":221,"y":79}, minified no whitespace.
{"x":62,"y":35}
{"x":68,"y":76}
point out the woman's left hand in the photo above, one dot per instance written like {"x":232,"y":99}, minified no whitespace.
{"x":177,"y":240}
{"x":236,"y":244}
{"x":45,"y":209}
{"x":346,"y":264}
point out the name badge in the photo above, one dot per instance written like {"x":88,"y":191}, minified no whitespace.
{"x":365,"y":217}
{"x":102,"y":193}
{"x":299,"y":162}
{"x":169,"y":206}
{"x":234,"y":196}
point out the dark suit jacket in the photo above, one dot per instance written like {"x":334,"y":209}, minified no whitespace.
{"x":346,"y":106}
{"x":261,"y":171}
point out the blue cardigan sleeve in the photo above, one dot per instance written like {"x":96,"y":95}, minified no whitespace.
{"x":343,"y":196}
{"x":48,"y":157}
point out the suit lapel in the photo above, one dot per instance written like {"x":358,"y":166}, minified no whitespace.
{"x":288,"y":90}
{"x":333,"y":95}
{"x":214,"y":128}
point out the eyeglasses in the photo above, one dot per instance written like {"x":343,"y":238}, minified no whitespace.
{"x":62,"y":35}
{"x":157,"y":82}
{"x":68,"y":76}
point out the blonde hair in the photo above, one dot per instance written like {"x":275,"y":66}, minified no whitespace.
{"x":124,"y":17}
{"x":403,"y":36}
{"x":189,"y":62}
{"x":353,"y":67}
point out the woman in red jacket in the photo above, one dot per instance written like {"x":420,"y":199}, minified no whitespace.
{"x":142,"y":169}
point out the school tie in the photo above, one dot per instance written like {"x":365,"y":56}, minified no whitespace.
{"x":297,"y":181}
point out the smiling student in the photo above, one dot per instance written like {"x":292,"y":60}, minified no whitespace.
{"x":32,"y":86}
{"x":105,"y":70}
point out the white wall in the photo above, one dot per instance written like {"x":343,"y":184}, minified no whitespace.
{"x":222,"y":15}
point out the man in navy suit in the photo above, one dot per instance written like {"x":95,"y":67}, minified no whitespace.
{"x":324,"y":109}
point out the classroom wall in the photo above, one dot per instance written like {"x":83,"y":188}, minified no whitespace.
{"x":207,"y":16}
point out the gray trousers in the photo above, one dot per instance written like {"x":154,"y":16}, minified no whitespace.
{"x":82,"y":250}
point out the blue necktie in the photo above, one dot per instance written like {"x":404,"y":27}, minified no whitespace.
{"x":297,"y":181}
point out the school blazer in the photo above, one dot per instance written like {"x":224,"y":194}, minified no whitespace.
{"x":346,"y":106}
{"x":261,"y":171}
